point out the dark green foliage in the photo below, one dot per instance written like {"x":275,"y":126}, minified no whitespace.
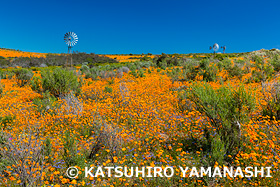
{"x":138,"y":73}
{"x":272,"y":97}
{"x":224,"y":64}
{"x":23,"y":76}
{"x":175,"y":74}
{"x":275,"y":62}
{"x":93,"y":73}
{"x":264,"y":70}
{"x":45,"y":104}
{"x":6,"y":121}
{"x":220,"y":57}
{"x":6,"y":74}
{"x":4,"y":62}
{"x":235,"y":71}
{"x":35,"y":84}
{"x":132,"y":67}
{"x":70,"y":152}
{"x":209,"y":72}
{"x":108,"y":89}
{"x":225,"y":109}
{"x":190,"y":70}
{"x":145,"y":58}
{"x":60,"y":82}
{"x":48,"y":150}
{"x":1,"y":90}
{"x":165,"y":61}
{"x":141,"y":73}
{"x":85,"y":69}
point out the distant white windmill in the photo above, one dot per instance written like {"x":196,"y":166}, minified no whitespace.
{"x":70,"y":39}
{"x":224,"y":48}
{"x":215,"y":47}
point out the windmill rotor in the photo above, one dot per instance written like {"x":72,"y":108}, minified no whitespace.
{"x":216,"y":47}
{"x":71,"y":39}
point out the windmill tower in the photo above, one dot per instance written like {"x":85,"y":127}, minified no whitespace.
{"x":224,"y":48}
{"x":70,"y":39}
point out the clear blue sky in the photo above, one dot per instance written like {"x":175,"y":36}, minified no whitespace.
{"x":155,"y":26}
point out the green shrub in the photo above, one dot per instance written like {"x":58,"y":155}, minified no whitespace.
{"x":225,"y":108}
{"x":23,"y":76}
{"x":6,"y":74}
{"x":60,"y":82}
{"x":190,"y":70}
{"x":218,"y":151}
{"x":84,"y":69}
{"x":108,"y":89}
{"x":275,"y":62}
{"x":48,"y":150}
{"x":235,"y":71}
{"x":133,"y":72}
{"x":141,"y":73}
{"x":224,"y":64}
{"x":209,"y":72}
{"x":1,"y":89}
{"x":6,"y":121}
{"x":272,"y":97}
{"x":70,"y":152}
{"x":45,"y":104}
{"x":35,"y":84}
{"x":132,"y":67}
{"x":175,"y":74}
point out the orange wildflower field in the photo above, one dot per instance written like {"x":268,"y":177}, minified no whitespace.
{"x":168,"y":112}
{"x":14,"y":53}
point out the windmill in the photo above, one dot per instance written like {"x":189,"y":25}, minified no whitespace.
{"x":215,"y":47}
{"x":70,"y":39}
{"x":224,"y":48}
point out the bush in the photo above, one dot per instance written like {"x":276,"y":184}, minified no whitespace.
{"x":107,"y":74}
{"x":190,"y":70}
{"x":275,"y":62}
{"x":1,"y":90}
{"x":70,"y":152}
{"x":208,"y":71}
{"x":225,"y":108}
{"x":125,"y":69}
{"x":25,"y":153}
{"x":60,"y":82}
{"x":119,"y":73}
{"x":108,"y":89}
{"x":84,"y":69}
{"x":235,"y":71}
{"x":271,"y":95}
{"x":132,"y":67}
{"x":224,"y":64}
{"x":23,"y":76}
{"x":6,"y":74}
{"x":45,"y":104}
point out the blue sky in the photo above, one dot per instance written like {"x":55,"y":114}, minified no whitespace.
{"x":155,"y":26}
